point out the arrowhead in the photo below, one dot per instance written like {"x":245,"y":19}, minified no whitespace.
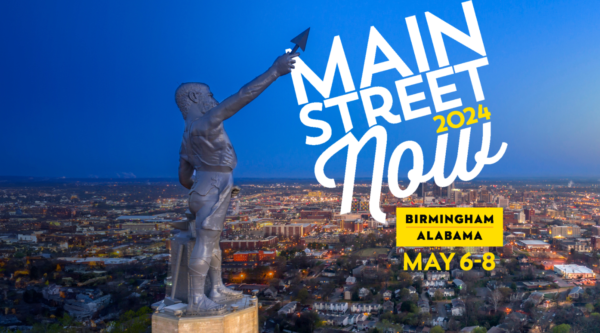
{"x":301,"y":39}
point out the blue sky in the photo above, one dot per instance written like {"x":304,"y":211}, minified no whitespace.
{"x":87,"y":88}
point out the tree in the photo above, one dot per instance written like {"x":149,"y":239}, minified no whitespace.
{"x":303,"y":295}
{"x":409,"y":306}
{"x":453,"y":325}
{"x":438,"y":295}
{"x":495,"y":299}
{"x":562,"y":328}
{"x":589,"y":307}
{"x":412,"y":254}
{"x":506,"y":292}
{"x":405,"y":279}
{"x":404,"y":293}
{"x":479,"y":330}
{"x":308,"y":322}
{"x":437,"y":329}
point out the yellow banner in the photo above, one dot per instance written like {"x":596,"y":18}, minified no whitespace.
{"x":449,"y":226}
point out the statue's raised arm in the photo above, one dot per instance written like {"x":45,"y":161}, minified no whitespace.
{"x":283,"y":65}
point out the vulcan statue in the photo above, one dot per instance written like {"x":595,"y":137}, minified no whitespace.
{"x":206,"y":163}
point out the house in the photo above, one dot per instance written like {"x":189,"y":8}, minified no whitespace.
{"x":495,"y":284}
{"x":84,"y":306}
{"x":445,"y":292}
{"x":523,"y":259}
{"x":288,"y":308}
{"x":397,"y":293}
{"x":423,"y":306}
{"x":364,"y":308}
{"x":358,"y":270}
{"x":459,"y":284}
{"x":457,"y":273}
{"x":387,"y":295}
{"x":333,"y":307}
{"x":341,"y":321}
{"x":458,"y":307}
{"x":366,"y":325}
{"x":363,"y":292}
{"x":575,"y":293}
{"x":439,"y":321}
{"x":351,"y":319}
{"x":412,"y":290}
{"x":417,"y":275}
{"x":328,"y":319}
{"x":329,"y":272}
{"x":435,"y":275}
{"x":469,"y":329}
{"x":347,"y":294}
{"x":350,"y":281}
{"x":434,"y":283}
{"x":409,"y":329}
{"x":535,"y":298}
{"x":270,"y":292}
{"x":388,"y":306}
{"x":360,"y":317}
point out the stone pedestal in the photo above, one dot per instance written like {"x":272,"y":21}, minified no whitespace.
{"x":242,"y":317}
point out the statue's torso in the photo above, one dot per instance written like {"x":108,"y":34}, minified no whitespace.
{"x":207,"y":147}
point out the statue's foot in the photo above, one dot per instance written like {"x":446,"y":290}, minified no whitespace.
{"x":202,"y":305}
{"x":221,"y":293}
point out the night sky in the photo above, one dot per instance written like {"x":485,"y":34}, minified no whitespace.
{"x":87,"y":87}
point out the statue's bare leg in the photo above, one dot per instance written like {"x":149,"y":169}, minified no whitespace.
{"x":206,"y":241}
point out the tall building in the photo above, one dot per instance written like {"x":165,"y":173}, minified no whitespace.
{"x":364,"y":206}
{"x":356,"y":204}
{"x":422,"y":190}
{"x":596,"y":242}
{"x":484,"y":195}
{"x":455,"y":195}
{"x":447,"y":191}
{"x":520,"y":216}
{"x":529,"y":214}
{"x":472,"y":196}
{"x":503,"y":202}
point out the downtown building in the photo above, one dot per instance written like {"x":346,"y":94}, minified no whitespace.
{"x":289,"y":230}
{"x":249,"y":244}
{"x":244,"y":256}
{"x":352,"y":225}
{"x":565,"y":231}
{"x":316,"y":215}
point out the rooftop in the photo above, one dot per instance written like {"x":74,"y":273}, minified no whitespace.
{"x":533,"y":242}
{"x":574,"y":269}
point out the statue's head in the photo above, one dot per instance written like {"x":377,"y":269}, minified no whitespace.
{"x":194,"y":99}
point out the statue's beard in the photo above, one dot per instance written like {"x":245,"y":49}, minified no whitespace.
{"x":208,"y":104}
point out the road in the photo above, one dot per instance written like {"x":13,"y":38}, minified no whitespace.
{"x":441,"y":310}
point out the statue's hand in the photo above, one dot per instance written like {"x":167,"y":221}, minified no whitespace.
{"x":285,"y":63}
